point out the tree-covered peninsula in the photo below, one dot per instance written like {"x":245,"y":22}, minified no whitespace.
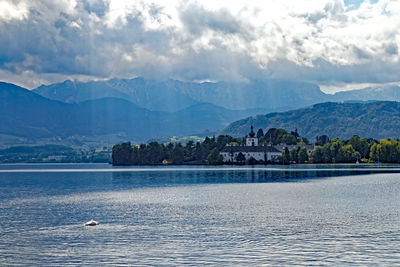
{"x":291,"y":144}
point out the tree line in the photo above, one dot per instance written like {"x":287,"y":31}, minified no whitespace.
{"x":356,"y":149}
{"x":208,"y":152}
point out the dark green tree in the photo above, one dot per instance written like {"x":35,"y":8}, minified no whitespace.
{"x":199,"y":152}
{"x":121,"y":154}
{"x":285,"y":158}
{"x":295,"y":133}
{"x":334,"y":151}
{"x":303,"y":155}
{"x":322,"y":140}
{"x":214,"y":158}
{"x":317,"y":155}
{"x":288,"y":139}
{"x":274,"y":135}
{"x":361,"y":145}
{"x":294,"y":155}
{"x":222,"y":140}
{"x":347,"y":154}
{"x":260,"y":133}
{"x":177,"y":155}
{"x":189,"y":147}
{"x":278,"y":136}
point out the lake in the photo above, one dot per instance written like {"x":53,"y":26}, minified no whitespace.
{"x":262,"y":215}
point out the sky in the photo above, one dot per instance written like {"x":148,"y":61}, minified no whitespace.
{"x":336,"y":44}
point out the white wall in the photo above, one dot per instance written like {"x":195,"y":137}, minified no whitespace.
{"x":227,"y":156}
{"x":249,"y":141}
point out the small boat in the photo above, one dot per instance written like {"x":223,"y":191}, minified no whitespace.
{"x":91,"y":223}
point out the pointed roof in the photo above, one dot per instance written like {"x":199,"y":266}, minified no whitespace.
{"x":252,"y":134}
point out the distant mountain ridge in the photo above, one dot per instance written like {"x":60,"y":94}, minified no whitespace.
{"x":24,"y":113}
{"x":389,"y":93}
{"x":377,"y":120}
{"x":145,"y":93}
{"x":172,"y":95}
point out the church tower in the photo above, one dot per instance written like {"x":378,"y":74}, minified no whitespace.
{"x":252,"y":140}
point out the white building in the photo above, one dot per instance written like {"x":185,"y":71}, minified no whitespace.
{"x":252,"y":151}
{"x":281,"y":147}
{"x":252,"y":140}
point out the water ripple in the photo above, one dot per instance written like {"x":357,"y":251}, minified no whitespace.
{"x":349,"y":220}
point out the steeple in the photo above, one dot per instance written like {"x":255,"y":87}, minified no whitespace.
{"x":251,"y":140}
{"x":252,"y":134}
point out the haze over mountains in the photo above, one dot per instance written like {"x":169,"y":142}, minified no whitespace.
{"x":390,"y":93}
{"x":172,"y":95}
{"x":26,"y":114}
{"x":139,"y":109}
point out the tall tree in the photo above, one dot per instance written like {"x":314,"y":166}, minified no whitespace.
{"x":317,"y":155}
{"x":177,"y":154}
{"x":260,"y":133}
{"x":214,"y":158}
{"x":285,"y":158}
{"x":303,"y":155}
{"x":121,"y":154}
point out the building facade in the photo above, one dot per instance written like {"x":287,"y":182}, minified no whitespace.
{"x":281,"y":147}
{"x":251,"y":152}
{"x":252,"y":140}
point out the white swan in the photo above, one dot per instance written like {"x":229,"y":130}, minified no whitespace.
{"x":91,"y":223}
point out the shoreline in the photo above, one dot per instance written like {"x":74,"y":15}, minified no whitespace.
{"x":300,"y":168}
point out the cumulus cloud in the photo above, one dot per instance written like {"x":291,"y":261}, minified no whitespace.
{"x":10,"y":11}
{"x":323,"y":41}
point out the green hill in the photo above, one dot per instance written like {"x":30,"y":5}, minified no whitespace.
{"x":377,"y":120}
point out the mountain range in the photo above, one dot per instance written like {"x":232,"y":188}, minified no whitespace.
{"x":378,"y":120}
{"x":139,"y":109}
{"x":389,"y":93}
{"x":172,"y":95}
{"x":24,"y":113}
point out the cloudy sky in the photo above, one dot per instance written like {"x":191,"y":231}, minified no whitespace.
{"x":336,"y":44}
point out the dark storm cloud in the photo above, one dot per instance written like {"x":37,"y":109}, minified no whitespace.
{"x":197,"y":19}
{"x":311,"y":40}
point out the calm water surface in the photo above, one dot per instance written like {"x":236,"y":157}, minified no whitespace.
{"x":303,"y":215}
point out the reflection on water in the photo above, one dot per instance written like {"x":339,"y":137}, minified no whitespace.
{"x":212,"y":216}
{"x":230,"y":176}
{"x":298,"y":173}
